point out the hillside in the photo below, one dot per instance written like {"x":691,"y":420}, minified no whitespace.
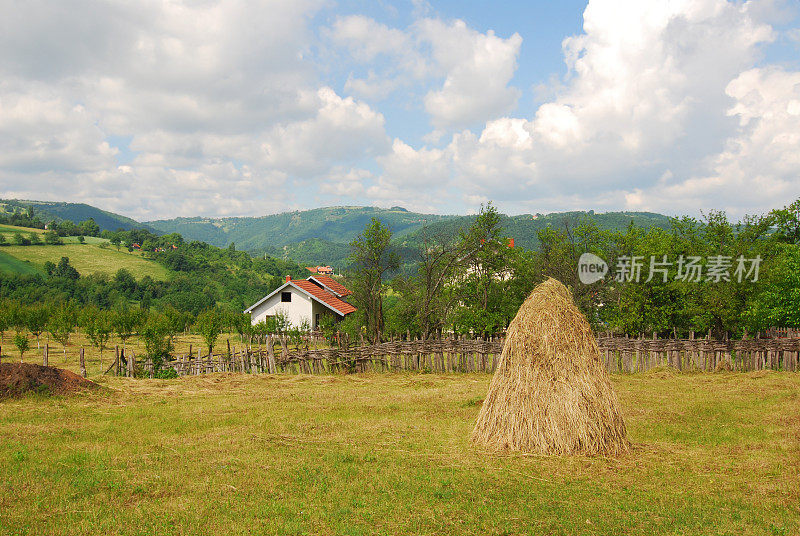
{"x":75,"y":212}
{"x":261,"y":234}
{"x":86,"y":258}
{"x":523,"y":228}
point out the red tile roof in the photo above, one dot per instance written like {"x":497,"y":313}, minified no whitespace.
{"x":324,"y":296}
{"x":332,"y":284}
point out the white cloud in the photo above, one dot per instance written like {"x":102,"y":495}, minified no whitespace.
{"x":471,"y":70}
{"x":478,"y":68}
{"x":646,"y":95}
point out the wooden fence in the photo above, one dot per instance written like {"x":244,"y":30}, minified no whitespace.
{"x":620,"y":354}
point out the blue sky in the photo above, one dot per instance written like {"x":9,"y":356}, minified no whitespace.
{"x":164,"y":109}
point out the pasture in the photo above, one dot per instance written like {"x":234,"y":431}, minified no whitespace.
{"x":13,"y":265}
{"x":389,"y":454}
{"x":90,"y":258}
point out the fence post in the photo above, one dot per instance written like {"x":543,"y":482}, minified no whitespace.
{"x":45,"y":354}
{"x":83,"y":363}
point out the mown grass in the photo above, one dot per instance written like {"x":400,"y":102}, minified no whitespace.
{"x":389,"y":454}
{"x":13,"y":265}
{"x":90,"y":259}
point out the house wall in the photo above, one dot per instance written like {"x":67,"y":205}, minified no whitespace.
{"x":300,"y":308}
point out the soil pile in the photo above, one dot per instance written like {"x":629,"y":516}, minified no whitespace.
{"x":17,"y":379}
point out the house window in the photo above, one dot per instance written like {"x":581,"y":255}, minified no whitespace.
{"x":316,"y":321}
{"x":286,"y":297}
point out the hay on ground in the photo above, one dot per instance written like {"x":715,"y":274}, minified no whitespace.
{"x":551,"y":393}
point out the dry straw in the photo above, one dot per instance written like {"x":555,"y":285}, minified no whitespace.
{"x":551,"y":393}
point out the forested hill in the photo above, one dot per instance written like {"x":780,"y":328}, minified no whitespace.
{"x":75,"y":212}
{"x":321,"y":236}
{"x":330,"y":224}
{"x":523,"y":228}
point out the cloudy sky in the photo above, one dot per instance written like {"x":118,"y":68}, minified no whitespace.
{"x":156,"y":109}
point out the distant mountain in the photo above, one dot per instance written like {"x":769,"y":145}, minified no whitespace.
{"x":75,"y":212}
{"x":260,"y":234}
{"x":523,"y":228}
{"x":321,"y":236}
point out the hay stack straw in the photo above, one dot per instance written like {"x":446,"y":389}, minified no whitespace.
{"x":551,"y":393}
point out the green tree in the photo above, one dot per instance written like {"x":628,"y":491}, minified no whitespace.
{"x":51,"y":238}
{"x":33,"y":239}
{"x":20,"y":240}
{"x":36,"y":320}
{"x":61,"y":325}
{"x":157,"y":336}
{"x":65,"y":269}
{"x":125,"y":321}
{"x":21,"y":342}
{"x":5,"y":320}
{"x":209,"y":325}
{"x":98,"y":328}
{"x":372,"y":256}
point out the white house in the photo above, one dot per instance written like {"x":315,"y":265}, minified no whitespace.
{"x":303,"y":299}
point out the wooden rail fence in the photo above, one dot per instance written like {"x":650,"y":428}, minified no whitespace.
{"x":627,"y":355}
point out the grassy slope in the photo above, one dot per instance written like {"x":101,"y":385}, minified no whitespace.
{"x":13,"y":265}
{"x":77,"y":212}
{"x":372,"y":454}
{"x":89,"y":259}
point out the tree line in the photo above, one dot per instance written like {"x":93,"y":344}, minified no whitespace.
{"x":745,"y":276}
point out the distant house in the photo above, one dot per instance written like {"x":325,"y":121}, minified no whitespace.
{"x":324,"y":270}
{"x":304,"y":299}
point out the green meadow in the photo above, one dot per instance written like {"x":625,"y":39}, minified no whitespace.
{"x":390,"y":454}
{"x":89,"y":258}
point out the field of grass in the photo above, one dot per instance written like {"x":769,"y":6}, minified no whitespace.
{"x":389,"y":454}
{"x":13,"y":265}
{"x":90,"y":258}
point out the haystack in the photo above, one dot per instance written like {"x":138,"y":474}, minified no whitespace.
{"x":551,"y":393}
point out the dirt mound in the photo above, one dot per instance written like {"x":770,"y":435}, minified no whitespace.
{"x":19,"y":378}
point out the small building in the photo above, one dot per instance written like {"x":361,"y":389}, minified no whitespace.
{"x":322,"y":270}
{"x":303,"y":299}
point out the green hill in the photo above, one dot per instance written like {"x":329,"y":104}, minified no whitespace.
{"x":259,"y":234}
{"x":75,"y":212}
{"x":523,"y":228}
{"x":87,"y":259}
{"x":321,"y":236}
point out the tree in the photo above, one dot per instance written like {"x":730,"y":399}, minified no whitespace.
{"x":5,"y":320}
{"x":239,"y":322}
{"x":787,"y":223}
{"x":81,"y":239}
{"x":51,"y":238}
{"x":21,"y":342}
{"x":3,"y":241}
{"x":209,"y":325}
{"x":428,"y":294}
{"x":36,"y":320}
{"x":61,"y":324}
{"x":116,"y":240}
{"x":157,"y":337}
{"x":125,"y":321}
{"x":33,"y":238}
{"x":371,"y":257}
{"x":98,"y":328}
{"x":65,"y":269}
{"x":484,"y":273}
{"x":20,"y":240}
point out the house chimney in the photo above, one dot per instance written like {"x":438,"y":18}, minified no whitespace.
{"x":288,"y":278}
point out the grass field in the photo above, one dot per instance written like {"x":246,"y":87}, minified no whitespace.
{"x":389,"y":454}
{"x":13,"y":265}
{"x":90,"y":259}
